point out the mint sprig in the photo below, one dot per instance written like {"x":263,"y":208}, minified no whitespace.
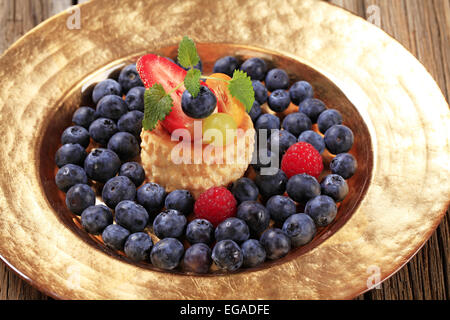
{"x":187,"y":53}
{"x":192,"y":81}
{"x":241,"y":87}
{"x":158,"y":105}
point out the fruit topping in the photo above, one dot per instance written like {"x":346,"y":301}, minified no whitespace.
{"x":201,"y":106}
{"x":219,"y":129}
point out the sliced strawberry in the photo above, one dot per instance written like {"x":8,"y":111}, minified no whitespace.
{"x":155,"y":69}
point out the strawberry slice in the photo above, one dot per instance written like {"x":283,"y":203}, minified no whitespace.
{"x":155,"y":69}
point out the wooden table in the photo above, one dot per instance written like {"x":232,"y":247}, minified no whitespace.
{"x":423,"y":27}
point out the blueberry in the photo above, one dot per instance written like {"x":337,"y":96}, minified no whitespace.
{"x":277,"y":79}
{"x":282,"y":140}
{"x":344,"y":164}
{"x":134,"y":172}
{"x":267,"y":121}
{"x":255,"y":68}
{"x":169,"y":224}
{"x":312,"y":108}
{"x":102,"y":129}
{"x":227,"y":255}
{"x":328,"y":118}
{"x":138,"y":246}
{"x":260,"y":91}
{"x":296,"y":123}
{"x":255,"y":111}
{"x":300,"y":228}
{"x":198,"y":66}
{"x":199,"y":231}
{"x":80,"y":197}
{"x":101,"y":164}
{"x":335,"y":187}
{"x":253,"y":252}
{"x":339,"y":139}
{"x":151,"y":196}
{"x":166,"y":253}
{"x":114,"y":236}
{"x":300,"y":91}
{"x":279,"y":100}
{"x":280,"y":208}
{"x":302,"y":187}
{"x":70,"y":175}
{"x":322,"y":209}
{"x":131,"y":122}
{"x":95,"y":219}
{"x":233,"y":229}
{"x":171,"y":60}
{"x":255,"y":215}
{"x":84,"y":116}
{"x":180,"y":200}
{"x":111,"y":107}
{"x":135,"y":99}
{"x":314,"y":139}
{"x":129,"y":78}
{"x":244,"y":189}
{"x":131,"y":216}
{"x":276,"y":243}
{"x":118,"y":189}
{"x":201,"y":106}
{"x":263,"y":158}
{"x":70,"y":153}
{"x":270,"y":185}
{"x":105,"y":88}
{"x":197,"y":258}
{"x":76,"y":134}
{"x":125,"y":145}
{"x":226,"y":65}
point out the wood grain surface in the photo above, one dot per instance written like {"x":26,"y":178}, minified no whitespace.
{"x":423,"y":27}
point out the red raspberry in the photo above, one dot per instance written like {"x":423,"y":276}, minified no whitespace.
{"x":302,"y":158}
{"x":215,"y":205}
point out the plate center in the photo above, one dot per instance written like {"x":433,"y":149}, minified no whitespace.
{"x":325,"y":90}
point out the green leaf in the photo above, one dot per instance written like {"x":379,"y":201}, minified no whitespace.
{"x":241,"y":88}
{"x":187,"y":53}
{"x":192,"y":81}
{"x":158,"y":105}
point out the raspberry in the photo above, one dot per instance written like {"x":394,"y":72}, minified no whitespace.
{"x":215,"y":205}
{"x":302,"y":158}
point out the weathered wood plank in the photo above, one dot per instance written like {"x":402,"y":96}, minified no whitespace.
{"x":19,"y":16}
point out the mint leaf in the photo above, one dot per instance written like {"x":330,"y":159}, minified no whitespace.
{"x":241,"y":88}
{"x":192,"y":81}
{"x":187,"y":53}
{"x":158,"y":105}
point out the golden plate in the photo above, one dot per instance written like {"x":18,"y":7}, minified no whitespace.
{"x":397,"y":111}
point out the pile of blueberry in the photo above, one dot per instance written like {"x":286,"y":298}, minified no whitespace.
{"x":262,"y":220}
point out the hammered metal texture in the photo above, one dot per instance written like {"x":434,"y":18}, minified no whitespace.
{"x":405,"y":113}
